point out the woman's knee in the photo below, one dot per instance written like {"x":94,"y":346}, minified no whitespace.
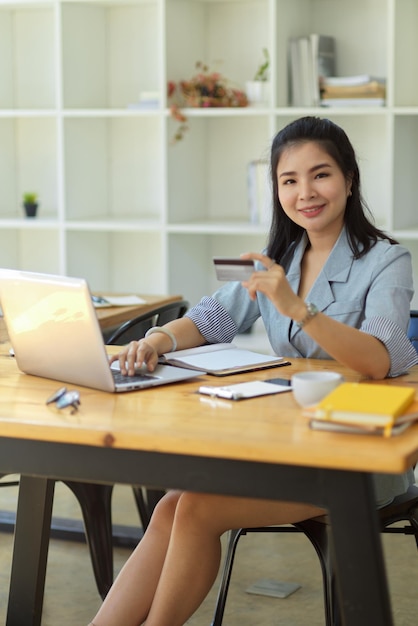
{"x":199,"y":511}
{"x":165,"y":510}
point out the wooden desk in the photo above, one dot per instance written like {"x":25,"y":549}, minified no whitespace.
{"x":173,"y":437}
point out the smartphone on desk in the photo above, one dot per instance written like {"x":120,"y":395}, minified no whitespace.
{"x":283,"y":382}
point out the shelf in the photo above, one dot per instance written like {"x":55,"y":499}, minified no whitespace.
{"x":118,"y":46}
{"x":218,"y":228}
{"x":112,"y":186}
{"x":27,"y":55}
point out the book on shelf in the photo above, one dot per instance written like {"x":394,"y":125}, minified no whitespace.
{"x":373,"y":407}
{"x":353,"y":102}
{"x":305,"y":72}
{"x":259,"y":192}
{"x":351,"y":81}
{"x":220,"y":359}
{"x":311,"y":58}
{"x":361,"y":90}
{"x":373,"y":89}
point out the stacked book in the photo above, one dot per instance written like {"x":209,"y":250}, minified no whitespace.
{"x":311,"y":58}
{"x":360,"y":90}
{"x":365,"y":408}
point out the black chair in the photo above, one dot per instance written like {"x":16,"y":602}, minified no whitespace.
{"x":95,"y":499}
{"x":403,"y":508}
{"x":138,"y":326}
{"x":413,"y":328}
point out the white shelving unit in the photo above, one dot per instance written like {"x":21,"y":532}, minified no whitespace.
{"x":120,"y":204}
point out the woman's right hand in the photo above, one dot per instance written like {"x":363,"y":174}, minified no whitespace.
{"x":134,"y":355}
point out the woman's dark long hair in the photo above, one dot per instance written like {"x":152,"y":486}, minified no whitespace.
{"x":362,"y":234}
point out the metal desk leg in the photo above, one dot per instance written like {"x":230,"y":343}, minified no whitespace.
{"x":360,"y":567}
{"x":33,"y":521}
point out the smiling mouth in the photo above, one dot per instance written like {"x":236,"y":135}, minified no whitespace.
{"x":312,"y":210}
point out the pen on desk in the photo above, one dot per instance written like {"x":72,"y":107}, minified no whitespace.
{"x":230,"y":394}
{"x":221,"y":392}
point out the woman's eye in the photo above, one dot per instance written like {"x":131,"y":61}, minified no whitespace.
{"x":322,"y":175}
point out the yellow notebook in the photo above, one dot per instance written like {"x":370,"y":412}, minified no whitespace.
{"x":365,"y":403}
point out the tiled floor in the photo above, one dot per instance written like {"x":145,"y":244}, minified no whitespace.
{"x":71,"y":597}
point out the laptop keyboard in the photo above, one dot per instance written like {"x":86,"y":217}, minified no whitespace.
{"x":120,"y":378}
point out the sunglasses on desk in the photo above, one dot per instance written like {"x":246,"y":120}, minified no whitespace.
{"x":63,"y":398}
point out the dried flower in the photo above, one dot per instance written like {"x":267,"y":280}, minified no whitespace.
{"x":204,"y":89}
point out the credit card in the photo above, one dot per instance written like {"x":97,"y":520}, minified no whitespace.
{"x":233,"y":268}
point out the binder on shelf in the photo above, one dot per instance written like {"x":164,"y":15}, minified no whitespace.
{"x":306,"y":72}
{"x":323,"y":61}
{"x":311,"y":58}
{"x":295,"y":83}
{"x":259,"y":192}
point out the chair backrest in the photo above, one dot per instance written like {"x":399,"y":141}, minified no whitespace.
{"x":413,"y":328}
{"x":136,"y":328}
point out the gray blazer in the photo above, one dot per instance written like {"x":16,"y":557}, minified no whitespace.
{"x":372,"y":293}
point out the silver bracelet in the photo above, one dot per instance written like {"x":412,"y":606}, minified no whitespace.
{"x":311,"y":311}
{"x":160,"y":329}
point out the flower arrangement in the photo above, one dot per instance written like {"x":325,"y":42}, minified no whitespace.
{"x":205,"y":89}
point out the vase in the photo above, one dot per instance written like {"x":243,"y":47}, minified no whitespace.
{"x":258,"y":92}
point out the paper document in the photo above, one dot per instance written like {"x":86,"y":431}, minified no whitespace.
{"x":106,"y":301}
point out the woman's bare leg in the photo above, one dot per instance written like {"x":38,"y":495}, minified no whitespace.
{"x":194,"y":551}
{"x":132,"y":593}
{"x":175,"y":565}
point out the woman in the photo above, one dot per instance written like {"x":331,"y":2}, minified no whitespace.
{"x":330,"y":285}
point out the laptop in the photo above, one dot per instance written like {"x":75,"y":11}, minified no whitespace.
{"x":55,"y":333}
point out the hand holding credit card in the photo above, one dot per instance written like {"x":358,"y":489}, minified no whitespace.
{"x":233,"y":268}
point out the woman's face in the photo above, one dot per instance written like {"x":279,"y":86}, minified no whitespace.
{"x":312,"y":189}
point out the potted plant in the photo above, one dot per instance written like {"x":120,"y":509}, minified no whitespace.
{"x":258,"y":89}
{"x":30,"y":203}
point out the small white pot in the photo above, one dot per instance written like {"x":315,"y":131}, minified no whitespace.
{"x":257,"y":92}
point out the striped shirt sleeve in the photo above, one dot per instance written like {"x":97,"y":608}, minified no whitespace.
{"x":213,"y":321}
{"x":401,"y":351}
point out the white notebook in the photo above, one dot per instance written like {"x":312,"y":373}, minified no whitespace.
{"x":221,"y":359}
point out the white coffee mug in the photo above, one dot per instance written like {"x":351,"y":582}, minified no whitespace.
{"x":310,"y":387}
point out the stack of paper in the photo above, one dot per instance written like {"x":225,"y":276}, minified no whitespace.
{"x":360,"y":90}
